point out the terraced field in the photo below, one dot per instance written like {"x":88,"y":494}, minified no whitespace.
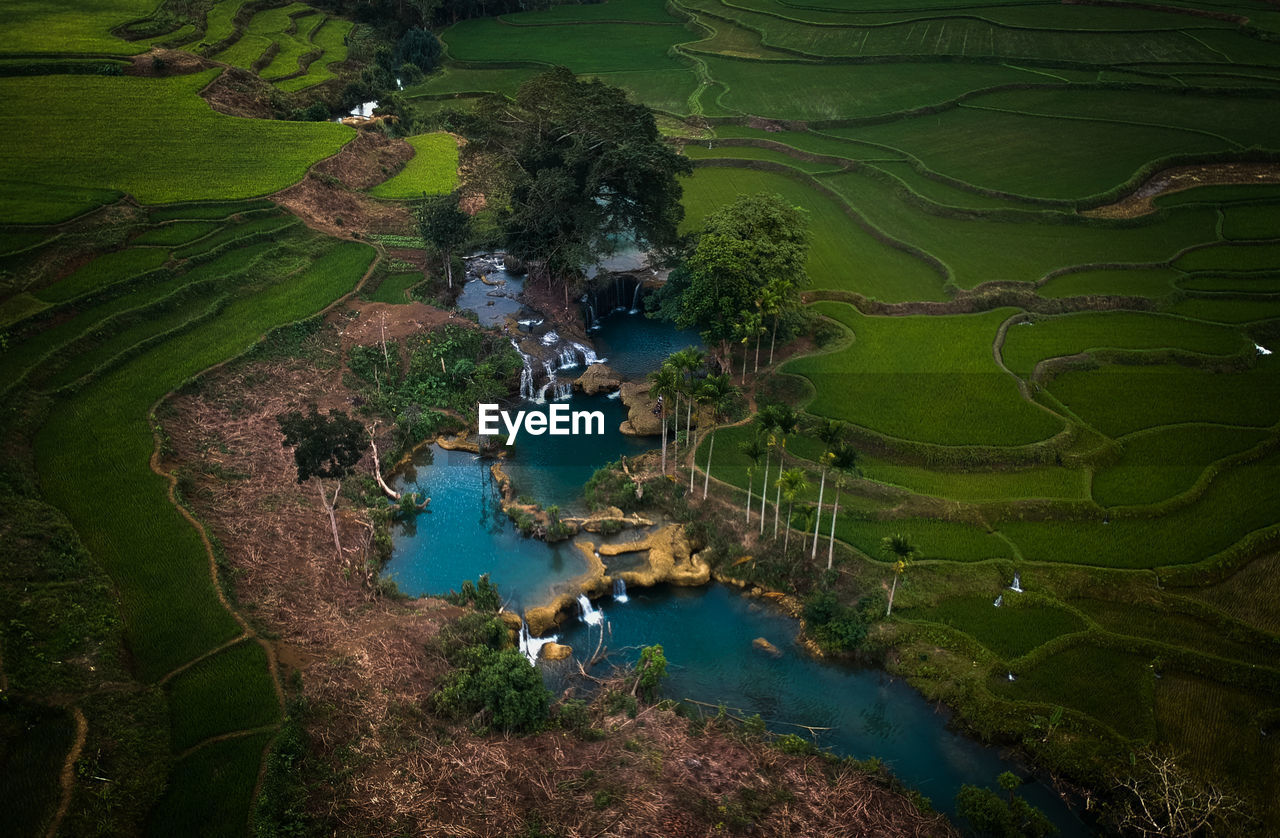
{"x":292,"y":46}
{"x":1079,"y":396}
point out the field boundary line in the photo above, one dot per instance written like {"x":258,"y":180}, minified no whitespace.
{"x":223,"y":737}
{"x":67,"y":776}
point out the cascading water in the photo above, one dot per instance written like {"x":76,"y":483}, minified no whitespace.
{"x":530,"y":647}
{"x":550,"y":338}
{"x":999,"y":601}
{"x":1017,"y":583}
{"x":620,"y":590}
{"x":526,"y":375}
{"x":635,"y":298}
{"x":591,"y":615}
{"x":589,"y":355}
{"x":568,"y":358}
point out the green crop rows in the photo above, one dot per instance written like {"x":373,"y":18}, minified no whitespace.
{"x":433,"y":169}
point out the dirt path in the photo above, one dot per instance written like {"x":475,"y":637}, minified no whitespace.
{"x":67,"y":777}
{"x":1141,"y":201}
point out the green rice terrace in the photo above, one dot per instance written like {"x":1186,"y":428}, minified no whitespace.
{"x":1007,"y":431}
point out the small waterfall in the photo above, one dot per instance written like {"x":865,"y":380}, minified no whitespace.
{"x":635,"y":298}
{"x":1017,"y":583}
{"x":529,"y":324}
{"x":590,"y":614}
{"x":999,"y":601}
{"x":568,"y":358}
{"x":1262,"y":350}
{"x":526,"y":375}
{"x":589,"y":356}
{"x":620,"y":590}
{"x":617,"y":289}
{"x":550,"y":338}
{"x":530,"y":647}
{"x":1012,"y":677}
{"x":550,"y":390}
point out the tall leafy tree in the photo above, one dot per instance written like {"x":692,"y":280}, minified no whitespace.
{"x":444,"y":227}
{"x":323,"y":447}
{"x":574,"y":167}
{"x":743,"y":247}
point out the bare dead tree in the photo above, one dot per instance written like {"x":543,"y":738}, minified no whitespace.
{"x":1161,"y":799}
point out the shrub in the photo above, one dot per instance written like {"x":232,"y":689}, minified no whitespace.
{"x":500,"y":690}
{"x":482,"y":595}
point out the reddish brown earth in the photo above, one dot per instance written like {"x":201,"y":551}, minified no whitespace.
{"x":368,"y":663}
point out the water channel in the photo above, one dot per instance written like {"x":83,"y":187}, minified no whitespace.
{"x":707,"y":632}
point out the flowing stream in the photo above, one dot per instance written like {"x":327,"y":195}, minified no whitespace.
{"x":707,"y":633}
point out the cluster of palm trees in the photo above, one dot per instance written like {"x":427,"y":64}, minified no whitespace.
{"x":773,"y":300}
{"x":684,"y":375}
{"x":775,"y":423}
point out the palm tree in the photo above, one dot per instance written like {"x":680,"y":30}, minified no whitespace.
{"x":785,"y":421}
{"x":768,"y":426}
{"x":749,"y":324}
{"x":791,"y":483}
{"x":902,"y":551}
{"x":663,"y":385}
{"x":774,"y":300}
{"x":716,"y":393}
{"x":688,"y":362}
{"x":844,"y":461}
{"x":829,"y":432}
{"x":801,"y":520}
{"x":753,"y":449}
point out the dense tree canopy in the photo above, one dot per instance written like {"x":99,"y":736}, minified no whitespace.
{"x":574,"y":165}
{"x":323,"y":446}
{"x":750,"y":250}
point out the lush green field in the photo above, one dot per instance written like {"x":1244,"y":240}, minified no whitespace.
{"x":330,"y":38}
{"x":35,"y":26}
{"x":1162,"y":462}
{"x":583,"y":48}
{"x":1134,"y":282}
{"x":1015,"y":628}
{"x":1113,"y":687}
{"x":103,"y":271}
{"x":899,"y":374}
{"x":1118,"y":400}
{"x":221,"y":694}
{"x":213,"y":157}
{"x":433,"y":169}
{"x":1028,"y":343}
{"x":842,"y":255}
{"x":1029,"y":250}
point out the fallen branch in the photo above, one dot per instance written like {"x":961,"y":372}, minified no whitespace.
{"x":377,"y":473}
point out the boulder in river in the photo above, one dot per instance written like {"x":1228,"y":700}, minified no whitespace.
{"x":644,"y":418}
{"x":556,"y":652}
{"x":598,"y":379}
{"x":768,"y":648}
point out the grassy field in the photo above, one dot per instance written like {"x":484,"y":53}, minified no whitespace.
{"x":1119,"y":400}
{"x":330,"y":38}
{"x":1029,"y":249}
{"x":1113,"y":687}
{"x":842,"y":255}
{"x":212,"y":157}
{"x":1026,"y":345}
{"x":104,"y":271}
{"x":896,"y":374}
{"x":34,"y":26}
{"x":1010,"y":631}
{"x":1133,"y":282}
{"x":1160,"y":463}
{"x":433,"y":169}
{"x":583,"y":48}
{"x":221,"y":694}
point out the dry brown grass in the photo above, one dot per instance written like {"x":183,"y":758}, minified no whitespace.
{"x":368,"y":667}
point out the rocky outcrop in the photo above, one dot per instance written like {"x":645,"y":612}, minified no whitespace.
{"x":598,"y":379}
{"x":765,"y":646}
{"x":556,"y":652}
{"x":641,"y":418}
{"x":670,"y":560}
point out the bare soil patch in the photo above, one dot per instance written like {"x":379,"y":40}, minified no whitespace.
{"x":374,"y":322}
{"x":165,"y":62}
{"x":1141,"y":201}
{"x":329,"y":207}
{"x":369,"y":663}
{"x":238,"y":92}
{"x":366,"y":161}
